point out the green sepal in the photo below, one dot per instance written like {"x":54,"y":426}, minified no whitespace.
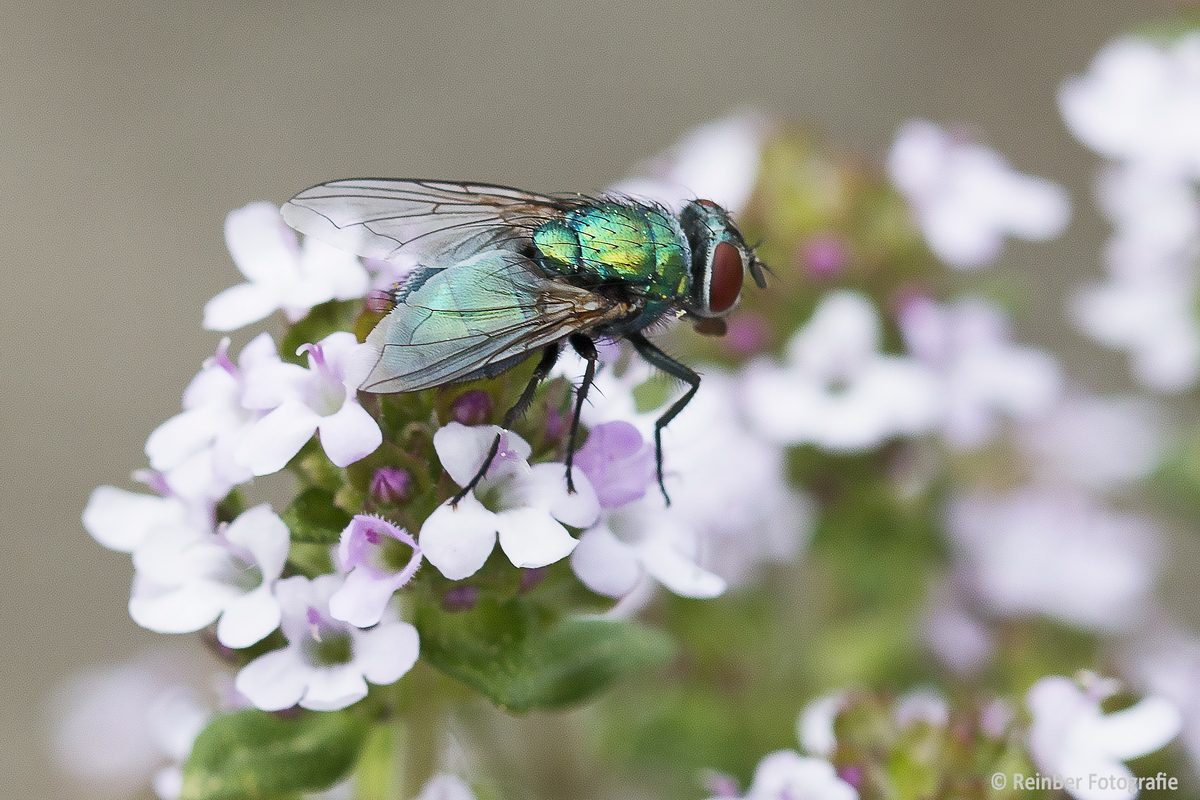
{"x":254,"y":755}
{"x":313,"y":518}
{"x":502,"y":650}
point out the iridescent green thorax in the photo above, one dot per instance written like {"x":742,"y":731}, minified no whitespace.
{"x":618,"y":245}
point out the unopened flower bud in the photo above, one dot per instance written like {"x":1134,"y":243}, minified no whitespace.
{"x":391,"y":485}
{"x":460,"y":598}
{"x":473,"y":407}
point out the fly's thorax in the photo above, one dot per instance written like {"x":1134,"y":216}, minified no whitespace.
{"x":615,"y":245}
{"x":720,"y":259}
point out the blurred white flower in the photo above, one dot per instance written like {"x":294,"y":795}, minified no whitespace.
{"x":1165,"y":660}
{"x":982,"y":374}
{"x":921,"y":707}
{"x":280,"y":273}
{"x":118,"y":730}
{"x":717,"y":161}
{"x":446,"y":787}
{"x":967,"y":198}
{"x":1057,"y":553}
{"x":187,"y":577}
{"x":787,"y":775}
{"x":327,"y":663}
{"x":121,"y":520}
{"x":1096,"y":443}
{"x":525,"y":506}
{"x":814,"y":727}
{"x":1070,"y":736}
{"x":1139,"y":100}
{"x":1152,"y":317}
{"x":837,"y":390}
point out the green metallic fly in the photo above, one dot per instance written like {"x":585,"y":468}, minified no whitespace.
{"x":504,"y":273}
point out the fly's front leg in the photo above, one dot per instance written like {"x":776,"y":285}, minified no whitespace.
{"x":664,"y":362}
{"x":587,"y":350}
{"x":549,"y":358}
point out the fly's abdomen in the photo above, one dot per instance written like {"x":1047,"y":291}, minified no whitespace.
{"x":615,"y":244}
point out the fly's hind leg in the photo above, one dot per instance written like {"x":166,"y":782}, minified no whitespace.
{"x":587,"y":350}
{"x":549,"y":358}
{"x":664,"y":362}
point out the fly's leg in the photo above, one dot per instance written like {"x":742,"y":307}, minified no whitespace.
{"x":549,"y":358}
{"x":587,"y":350}
{"x":664,"y":362}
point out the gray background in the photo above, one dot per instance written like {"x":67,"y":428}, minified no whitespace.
{"x":127,"y":131}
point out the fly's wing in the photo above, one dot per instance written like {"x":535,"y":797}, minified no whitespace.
{"x":450,"y":323}
{"x":437,"y":222}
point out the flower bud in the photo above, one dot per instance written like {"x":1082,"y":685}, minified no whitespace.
{"x":391,"y":485}
{"x":472,"y":407}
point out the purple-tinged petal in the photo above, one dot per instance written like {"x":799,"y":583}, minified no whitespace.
{"x":619,"y":464}
{"x":249,"y":618}
{"x":184,"y":434}
{"x":350,"y":434}
{"x":120,"y":520}
{"x":605,"y":564}
{"x":333,"y":688}
{"x":459,"y":540}
{"x":363,"y":597}
{"x":531,"y":538}
{"x":272,"y":441}
{"x":386,"y":652}
{"x":238,"y":306}
{"x":271,"y":382}
{"x":275,"y":681}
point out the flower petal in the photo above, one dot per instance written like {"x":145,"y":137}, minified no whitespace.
{"x":676,"y":571}
{"x":462,"y":450}
{"x":349,"y":434}
{"x":249,"y":618}
{"x":275,"y":681}
{"x":276,"y":438}
{"x":605,"y":564}
{"x":362,"y":599}
{"x":238,"y":306}
{"x":530,"y":537}
{"x":263,"y":533}
{"x":177,"y":609}
{"x":332,"y":688}
{"x":386,"y":652}
{"x":120,"y":519}
{"x":459,"y":540}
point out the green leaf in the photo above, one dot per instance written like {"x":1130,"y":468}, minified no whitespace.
{"x":253,"y":755}
{"x":314,"y":519}
{"x":502,"y":650}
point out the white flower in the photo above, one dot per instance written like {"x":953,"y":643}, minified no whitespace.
{"x":193,"y":450}
{"x":1097,"y":443}
{"x":121,"y":520}
{"x":642,"y":538}
{"x":322,"y":398}
{"x":1152,"y":317}
{"x":327,"y":663}
{"x":787,"y":775}
{"x":120,"y":729}
{"x":717,"y":161}
{"x":814,"y":728}
{"x":967,"y":198}
{"x":968,"y":344}
{"x":1056,"y":553}
{"x":1165,"y":660}
{"x":187,"y":578}
{"x":1139,"y":101}
{"x":837,"y":390}
{"x":379,"y":558}
{"x":1071,"y":737}
{"x":446,"y":787}
{"x":525,"y":506}
{"x":281,"y":274}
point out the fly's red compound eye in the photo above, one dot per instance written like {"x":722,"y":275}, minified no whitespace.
{"x":726,"y":282}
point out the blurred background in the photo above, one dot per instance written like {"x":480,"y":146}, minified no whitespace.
{"x":128,"y":131}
